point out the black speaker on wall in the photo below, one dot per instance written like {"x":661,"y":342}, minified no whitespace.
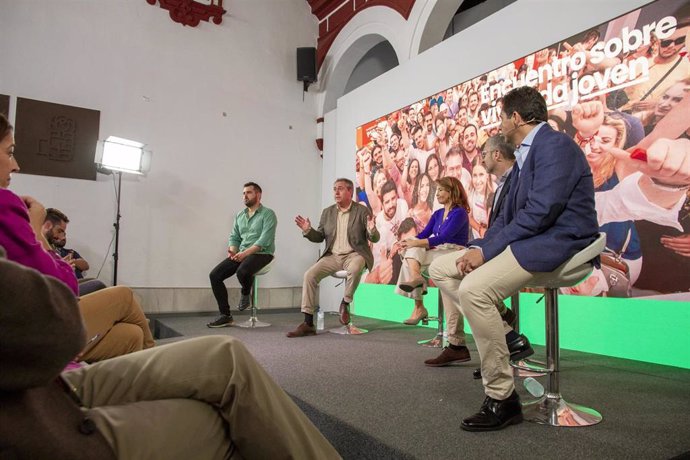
{"x":306,"y":66}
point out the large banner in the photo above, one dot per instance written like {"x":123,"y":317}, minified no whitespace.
{"x":618,"y":89}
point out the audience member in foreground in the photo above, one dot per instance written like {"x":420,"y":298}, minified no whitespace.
{"x":112,"y":316}
{"x":204,"y":398}
{"x":55,"y":231}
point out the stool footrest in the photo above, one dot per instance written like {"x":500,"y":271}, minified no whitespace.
{"x":350,"y":329}
{"x":253,"y":322}
{"x":552,"y":409}
{"x":435,"y":342}
{"x":525,"y":365}
{"x":521,"y":369}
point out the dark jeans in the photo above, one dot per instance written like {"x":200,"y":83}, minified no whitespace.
{"x":245,"y":275}
{"x":89,"y":285}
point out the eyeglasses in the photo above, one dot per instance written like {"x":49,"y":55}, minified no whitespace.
{"x":669,"y":42}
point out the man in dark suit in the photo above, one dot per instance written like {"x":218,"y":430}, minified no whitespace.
{"x":347,"y":228}
{"x":547,"y":217}
{"x":498,"y":158}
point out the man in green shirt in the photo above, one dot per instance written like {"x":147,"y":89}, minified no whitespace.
{"x":250,"y":248}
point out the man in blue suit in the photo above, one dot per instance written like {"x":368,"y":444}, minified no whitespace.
{"x":548,"y":216}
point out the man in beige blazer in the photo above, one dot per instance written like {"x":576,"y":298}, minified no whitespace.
{"x":347,"y":228}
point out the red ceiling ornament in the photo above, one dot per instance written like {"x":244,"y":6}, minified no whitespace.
{"x":190,"y":12}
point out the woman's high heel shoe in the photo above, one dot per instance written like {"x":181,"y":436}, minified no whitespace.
{"x":411,"y":285}
{"x":414,"y":320}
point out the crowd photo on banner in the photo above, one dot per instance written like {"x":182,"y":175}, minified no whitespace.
{"x":621,"y":90}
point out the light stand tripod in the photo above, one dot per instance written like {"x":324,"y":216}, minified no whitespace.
{"x":117,"y":228}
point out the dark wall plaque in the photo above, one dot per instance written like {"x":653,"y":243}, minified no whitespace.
{"x":56,"y":140}
{"x":4,"y":104}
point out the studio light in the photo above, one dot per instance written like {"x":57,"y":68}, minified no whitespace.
{"x":123,"y":155}
{"x":119,"y":155}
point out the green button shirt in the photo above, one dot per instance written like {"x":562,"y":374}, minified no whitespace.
{"x":258,"y":230}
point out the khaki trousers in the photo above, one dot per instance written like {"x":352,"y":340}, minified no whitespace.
{"x":478,"y":293}
{"x":326,"y":266}
{"x":116,"y":316}
{"x":201,"y":398}
{"x":451,"y":309}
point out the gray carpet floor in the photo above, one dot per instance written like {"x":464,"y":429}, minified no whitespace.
{"x":372,"y":396}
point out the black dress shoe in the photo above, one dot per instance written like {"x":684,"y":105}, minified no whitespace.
{"x":477,"y":373}
{"x":519,"y":347}
{"x":495,"y":414}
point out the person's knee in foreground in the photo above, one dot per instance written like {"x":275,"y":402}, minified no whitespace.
{"x":347,"y":227}
{"x":250,"y":248}
{"x":543,"y":223}
{"x":205,"y":397}
{"x":446,"y":231}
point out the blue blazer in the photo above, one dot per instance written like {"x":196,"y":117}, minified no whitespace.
{"x":548,"y":215}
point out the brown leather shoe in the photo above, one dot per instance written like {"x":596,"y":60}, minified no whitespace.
{"x":302,"y":330}
{"x":449,"y":356}
{"x":344,"y":313}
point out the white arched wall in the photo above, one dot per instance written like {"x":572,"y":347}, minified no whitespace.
{"x":431,"y":26}
{"x":338,"y":79}
{"x":364,"y":31}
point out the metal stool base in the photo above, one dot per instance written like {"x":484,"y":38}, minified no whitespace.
{"x":350,"y":329}
{"x":253,"y":322}
{"x":555,"y":411}
{"x":436,"y":342}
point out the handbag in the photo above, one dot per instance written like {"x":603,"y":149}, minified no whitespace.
{"x":616,"y":271}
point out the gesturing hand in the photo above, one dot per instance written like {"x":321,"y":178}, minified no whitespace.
{"x":303,"y":223}
{"x":371,"y":223}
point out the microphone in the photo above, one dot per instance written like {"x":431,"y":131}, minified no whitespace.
{"x":520,"y":126}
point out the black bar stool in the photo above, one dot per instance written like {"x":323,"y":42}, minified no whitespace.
{"x":551,"y":408}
